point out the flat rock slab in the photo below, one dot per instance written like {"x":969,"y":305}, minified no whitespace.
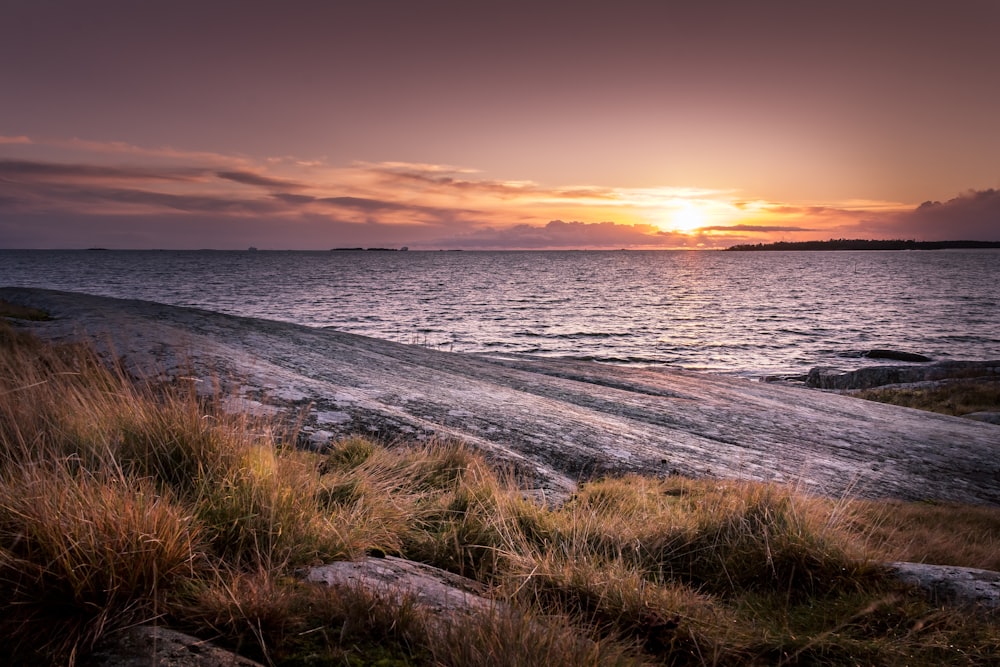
{"x":558,"y":420}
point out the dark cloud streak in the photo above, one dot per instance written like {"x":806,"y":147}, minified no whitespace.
{"x":78,"y":199}
{"x":366,"y":205}
{"x":250,"y":178}
{"x":27,"y":169}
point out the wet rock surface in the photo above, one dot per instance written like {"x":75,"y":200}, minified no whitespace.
{"x":882,"y":353}
{"x":895,"y":355}
{"x":555,"y":420}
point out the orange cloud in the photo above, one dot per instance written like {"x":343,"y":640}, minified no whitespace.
{"x":426,"y":205}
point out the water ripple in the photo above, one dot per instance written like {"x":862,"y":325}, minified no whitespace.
{"x":747,"y":313}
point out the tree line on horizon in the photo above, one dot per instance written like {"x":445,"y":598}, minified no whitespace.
{"x":864,"y":244}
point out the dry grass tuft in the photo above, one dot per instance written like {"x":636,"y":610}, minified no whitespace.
{"x":938,"y":533}
{"x":280,"y":620}
{"x":86,"y":553}
{"x":517,"y":638}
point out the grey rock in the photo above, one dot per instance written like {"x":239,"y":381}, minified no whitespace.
{"x":824,"y":377}
{"x":555,"y":421}
{"x":958,"y":586}
{"x":987,"y":417}
{"x":143,"y":646}
{"x":441,"y":592}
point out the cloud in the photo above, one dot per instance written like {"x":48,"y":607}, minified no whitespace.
{"x":294,"y":199}
{"x":807,"y":210}
{"x":192,"y":231}
{"x":296,"y":161}
{"x":558,"y":234}
{"x":973,"y":215}
{"x":27,"y":169}
{"x":444,"y":178}
{"x":754,"y":228}
{"x":435,"y":206}
{"x":49,"y":186}
{"x":369,"y":207}
{"x":419,"y":212}
{"x":251,"y":178}
{"x":15,"y":140}
{"x":425,"y":167}
{"x":73,"y":188}
{"x":168,"y":152}
{"x":177,"y":202}
{"x":364,"y":204}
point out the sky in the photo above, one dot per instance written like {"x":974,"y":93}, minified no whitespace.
{"x":308,"y":124}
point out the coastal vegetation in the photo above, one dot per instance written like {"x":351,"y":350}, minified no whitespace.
{"x":17,"y":311}
{"x":864,"y":244}
{"x":126,"y":501}
{"x":959,"y":397}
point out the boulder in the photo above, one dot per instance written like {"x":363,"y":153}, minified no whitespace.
{"x":958,"y":586}
{"x":987,"y":417}
{"x":895,"y":355}
{"x":438,"y":591}
{"x":825,"y":377}
{"x":145,"y":645}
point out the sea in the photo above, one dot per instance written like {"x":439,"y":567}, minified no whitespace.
{"x":754,"y":314}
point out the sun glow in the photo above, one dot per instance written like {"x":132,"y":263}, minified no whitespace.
{"x":687,"y":218}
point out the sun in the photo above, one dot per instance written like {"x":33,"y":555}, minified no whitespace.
{"x":686,"y":218}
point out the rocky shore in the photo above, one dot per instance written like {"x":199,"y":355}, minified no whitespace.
{"x":880,"y":376}
{"x":557,"y":421}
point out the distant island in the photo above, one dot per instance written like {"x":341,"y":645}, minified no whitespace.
{"x":865,"y":244}
{"x":403,"y":249}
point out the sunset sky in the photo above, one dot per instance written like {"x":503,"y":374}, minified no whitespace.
{"x":487,"y":125}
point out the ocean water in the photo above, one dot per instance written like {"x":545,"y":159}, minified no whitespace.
{"x":753,"y":314}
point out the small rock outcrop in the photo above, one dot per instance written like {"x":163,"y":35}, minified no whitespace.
{"x":441,"y":592}
{"x":987,"y":417}
{"x":957,"y":586}
{"x":144,"y":645}
{"x":895,"y":355}
{"x":825,"y":377}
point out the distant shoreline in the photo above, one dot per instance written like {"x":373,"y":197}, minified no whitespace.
{"x":863,"y":244}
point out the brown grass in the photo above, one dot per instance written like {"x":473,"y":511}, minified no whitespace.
{"x":124,"y":503}
{"x":957,"y":398}
{"x":937,"y":533}
{"x":18,"y":312}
